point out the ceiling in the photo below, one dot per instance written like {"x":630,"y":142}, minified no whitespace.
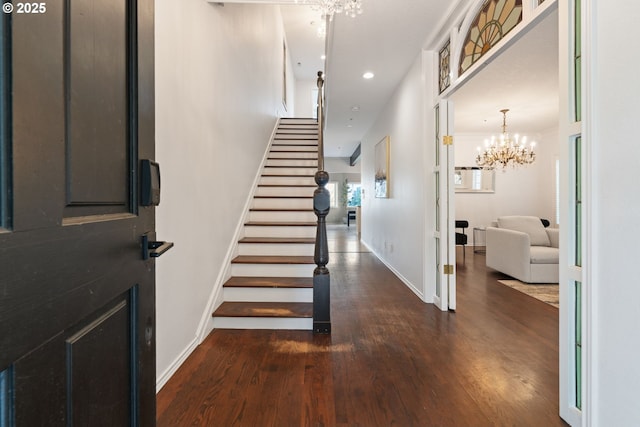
{"x":525,"y":84}
{"x":387,"y":38}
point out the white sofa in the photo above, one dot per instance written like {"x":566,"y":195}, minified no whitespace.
{"x":521,"y":247}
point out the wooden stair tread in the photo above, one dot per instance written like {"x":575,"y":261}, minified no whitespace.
{"x":269,"y":282}
{"x":279,"y":210}
{"x":292,"y":240}
{"x":264,"y":309}
{"x":292,"y":167}
{"x":294,"y":151}
{"x":272,"y":259}
{"x":295,"y":145}
{"x":311,"y":159}
{"x":283,"y":197}
{"x":288,"y":185}
{"x":281,"y":223}
{"x":289,"y":176}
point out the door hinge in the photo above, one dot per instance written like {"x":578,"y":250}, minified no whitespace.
{"x":447,"y":140}
{"x":448,"y":269}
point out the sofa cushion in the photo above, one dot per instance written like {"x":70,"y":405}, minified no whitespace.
{"x":526,"y":224}
{"x":544,"y":255}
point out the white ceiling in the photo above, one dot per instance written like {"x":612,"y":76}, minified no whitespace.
{"x":526,"y":84}
{"x":387,"y":38}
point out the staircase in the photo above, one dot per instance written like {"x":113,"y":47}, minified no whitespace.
{"x":271,"y":284}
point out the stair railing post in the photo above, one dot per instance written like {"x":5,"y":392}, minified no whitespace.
{"x":321,"y":207}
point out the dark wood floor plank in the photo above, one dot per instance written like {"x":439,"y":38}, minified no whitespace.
{"x":391,"y":360}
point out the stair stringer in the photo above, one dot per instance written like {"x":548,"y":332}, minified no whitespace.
{"x":289,"y":309}
{"x":216,"y":297}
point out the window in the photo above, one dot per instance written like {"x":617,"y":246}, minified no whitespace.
{"x":493,"y":22}
{"x":333,"y":191}
{"x":477,"y":179}
{"x":354,"y":194}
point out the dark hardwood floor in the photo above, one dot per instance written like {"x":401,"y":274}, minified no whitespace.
{"x":391,"y":359}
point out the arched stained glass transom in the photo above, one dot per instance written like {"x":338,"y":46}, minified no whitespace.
{"x":494,"y":20}
{"x":445,"y":64}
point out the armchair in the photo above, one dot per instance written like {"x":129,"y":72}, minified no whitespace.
{"x":462,"y":238}
{"x":522,"y":248}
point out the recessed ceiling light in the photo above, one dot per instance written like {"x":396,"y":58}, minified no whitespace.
{"x":323,"y":57}
{"x":368,"y":75}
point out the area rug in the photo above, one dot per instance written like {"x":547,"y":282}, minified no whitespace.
{"x":545,"y":292}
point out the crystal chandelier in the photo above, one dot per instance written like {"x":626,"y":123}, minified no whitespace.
{"x":329,"y":8}
{"x":505,"y":151}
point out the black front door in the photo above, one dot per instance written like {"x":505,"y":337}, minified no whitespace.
{"x":77,"y":319}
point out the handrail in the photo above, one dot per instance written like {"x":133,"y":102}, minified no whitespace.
{"x":320,"y":84}
{"x":321,"y":206}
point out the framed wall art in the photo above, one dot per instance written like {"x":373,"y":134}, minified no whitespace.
{"x":382,"y":168}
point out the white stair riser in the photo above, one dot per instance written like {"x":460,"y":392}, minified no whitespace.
{"x":272,"y":270}
{"x":297,"y":131}
{"x":285,"y":155}
{"x":296,"y":121}
{"x":289,"y":323}
{"x":295,"y":136}
{"x":289,"y":171}
{"x":276,"y":203}
{"x":290,"y":143}
{"x":276,"y":249}
{"x":282,"y":216}
{"x":279,"y":231}
{"x":287,"y":180}
{"x":289,"y":147}
{"x":268,"y":294}
{"x":289,"y":126}
{"x":285,"y":191}
{"x":292,"y":162}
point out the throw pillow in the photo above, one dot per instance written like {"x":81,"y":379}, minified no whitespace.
{"x":526,"y":224}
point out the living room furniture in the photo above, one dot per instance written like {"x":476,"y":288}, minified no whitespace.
{"x":462,"y":238}
{"x":477,"y":232}
{"x":523,"y":248}
{"x":351,"y":216}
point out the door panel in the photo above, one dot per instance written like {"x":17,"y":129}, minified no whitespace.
{"x":77,"y":313}
{"x":445,"y":209}
{"x":98,"y":144}
{"x":5,"y":122}
{"x":101,"y":350}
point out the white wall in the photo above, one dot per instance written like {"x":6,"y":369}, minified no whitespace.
{"x":528,"y":190}
{"x":340,"y":165}
{"x":218,"y":94}
{"x":394,"y":228}
{"x":304,"y":105}
{"x":614,"y":202}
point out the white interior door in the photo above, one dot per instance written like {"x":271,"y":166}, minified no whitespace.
{"x":444,"y":233}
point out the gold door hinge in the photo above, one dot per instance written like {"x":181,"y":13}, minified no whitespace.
{"x":448,"y":269}
{"x":447,"y":140}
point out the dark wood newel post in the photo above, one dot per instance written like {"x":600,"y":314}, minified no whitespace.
{"x":321,"y":276}
{"x":321,"y":206}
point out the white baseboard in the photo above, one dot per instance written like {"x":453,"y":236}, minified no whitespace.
{"x":173,"y":367}
{"x":404,"y":280}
